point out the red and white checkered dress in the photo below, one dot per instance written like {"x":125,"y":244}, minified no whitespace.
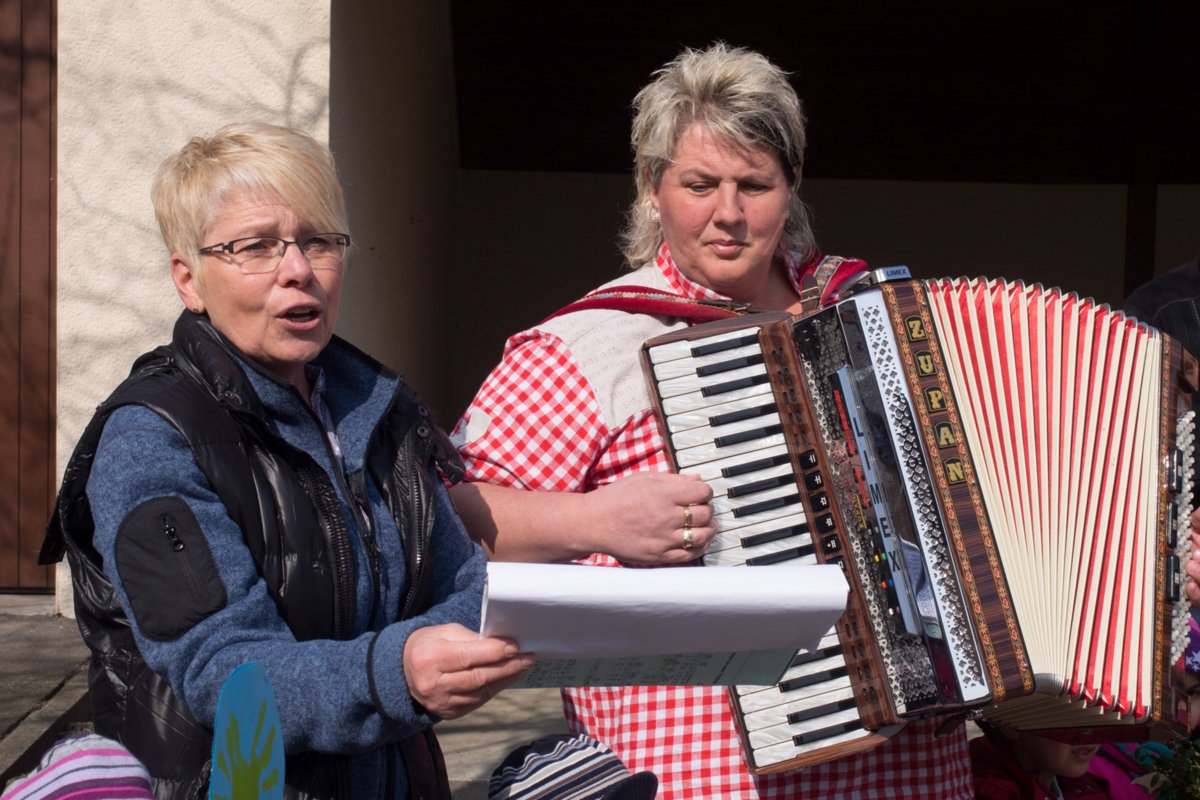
{"x":538,"y":423}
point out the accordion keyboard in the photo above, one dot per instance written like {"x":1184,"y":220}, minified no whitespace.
{"x":722,"y":424}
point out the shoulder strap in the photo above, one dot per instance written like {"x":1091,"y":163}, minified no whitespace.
{"x":644,"y":300}
{"x":819,"y":286}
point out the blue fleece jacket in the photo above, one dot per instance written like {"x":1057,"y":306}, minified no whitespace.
{"x":321,"y":687}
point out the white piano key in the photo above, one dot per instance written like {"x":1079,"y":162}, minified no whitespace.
{"x":708,"y":452}
{"x":727,"y":505}
{"x":693,"y":401}
{"x":737,"y":557}
{"x":726,"y":539}
{"x":720,"y":486}
{"x":840,"y":692}
{"x":698,"y":436}
{"x":681,"y":367}
{"x":776,"y":754}
{"x":811,"y":674}
{"x":702,"y":418}
{"x":693,"y":383}
{"x":829,"y":639}
{"x":728,"y":522}
{"x":684,"y":348}
{"x":771,"y":697}
{"x":710,"y":471}
{"x":778,"y":734}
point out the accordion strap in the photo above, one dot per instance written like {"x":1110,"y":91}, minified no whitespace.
{"x":819,"y":286}
{"x":643,"y":300}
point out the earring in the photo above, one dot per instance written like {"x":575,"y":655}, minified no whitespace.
{"x":654,"y":216}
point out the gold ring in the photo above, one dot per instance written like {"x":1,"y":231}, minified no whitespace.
{"x":688,"y":541}
{"x":687,"y":516}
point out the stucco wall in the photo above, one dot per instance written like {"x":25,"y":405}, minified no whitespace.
{"x":136,"y":79}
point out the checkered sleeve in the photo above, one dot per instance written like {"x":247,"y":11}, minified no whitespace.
{"x":535,"y":423}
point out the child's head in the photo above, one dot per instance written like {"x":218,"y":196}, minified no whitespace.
{"x":1044,"y":758}
{"x":1048,"y":758}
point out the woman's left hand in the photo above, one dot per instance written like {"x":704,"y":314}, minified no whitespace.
{"x":451,"y":670}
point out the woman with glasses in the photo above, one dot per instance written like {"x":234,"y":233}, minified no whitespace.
{"x":259,"y":490}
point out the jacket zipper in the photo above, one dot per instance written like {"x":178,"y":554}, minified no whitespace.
{"x":358,"y":503}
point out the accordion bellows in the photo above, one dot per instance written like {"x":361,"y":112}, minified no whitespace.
{"x":1004,"y":471}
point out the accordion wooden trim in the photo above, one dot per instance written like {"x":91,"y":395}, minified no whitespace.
{"x":979,"y":661}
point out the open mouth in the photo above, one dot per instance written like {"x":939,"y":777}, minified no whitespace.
{"x":301,"y":315}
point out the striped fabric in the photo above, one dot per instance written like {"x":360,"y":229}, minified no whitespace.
{"x":84,"y":768}
{"x":565,"y":767}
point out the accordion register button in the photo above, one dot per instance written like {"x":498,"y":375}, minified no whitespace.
{"x":808,"y":459}
{"x":1175,"y":471}
{"x":825,"y":523}
{"x":814,"y":481}
{"x":1173,"y":581}
{"x":820,"y":501}
{"x":1172,"y":525}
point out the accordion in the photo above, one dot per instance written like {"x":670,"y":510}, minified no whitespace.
{"x":1003,"y":471}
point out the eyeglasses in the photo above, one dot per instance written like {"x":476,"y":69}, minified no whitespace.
{"x":259,"y":254}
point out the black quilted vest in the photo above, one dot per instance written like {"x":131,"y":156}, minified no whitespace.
{"x":291,"y":518}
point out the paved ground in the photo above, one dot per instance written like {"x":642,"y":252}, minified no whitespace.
{"x":43,"y":694}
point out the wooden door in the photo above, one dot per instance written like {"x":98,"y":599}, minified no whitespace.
{"x":27,"y":291}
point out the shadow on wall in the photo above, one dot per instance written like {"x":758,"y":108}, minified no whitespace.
{"x":135,"y":81}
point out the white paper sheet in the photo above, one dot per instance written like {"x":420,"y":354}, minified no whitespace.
{"x":600,"y":626}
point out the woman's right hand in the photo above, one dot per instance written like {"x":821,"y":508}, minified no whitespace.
{"x":639,"y":519}
{"x":451,"y":670}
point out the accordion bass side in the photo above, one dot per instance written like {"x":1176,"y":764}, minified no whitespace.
{"x":1003,"y":471}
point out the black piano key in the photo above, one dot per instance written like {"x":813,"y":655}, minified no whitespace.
{"x":730,"y":386}
{"x":815,"y":655}
{"x":753,"y":466}
{"x":779,"y":557}
{"x":765,"y":505}
{"x":747,"y":436}
{"x":821,"y":711}
{"x":758,"y":486}
{"x":729,"y":366}
{"x":738,"y":416}
{"x":728,"y":344}
{"x":793,"y":684}
{"x":825,"y":733}
{"x":775,"y":536}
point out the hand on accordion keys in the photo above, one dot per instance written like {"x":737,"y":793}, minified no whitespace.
{"x":1192,"y":585}
{"x":653,"y":518}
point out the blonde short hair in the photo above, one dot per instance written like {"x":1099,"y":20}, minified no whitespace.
{"x":191,"y":185}
{"x":742,"y":98}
